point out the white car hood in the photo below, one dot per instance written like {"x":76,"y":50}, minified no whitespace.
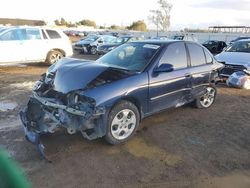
{"x":234,"y":58}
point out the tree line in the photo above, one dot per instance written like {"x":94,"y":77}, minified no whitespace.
{"x":159,"y":17}
{"x":137,"y":25}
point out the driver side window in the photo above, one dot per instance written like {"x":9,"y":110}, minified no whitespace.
{"x":175,"y":55}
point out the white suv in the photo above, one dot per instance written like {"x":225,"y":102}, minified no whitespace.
{"x":33,"y":44}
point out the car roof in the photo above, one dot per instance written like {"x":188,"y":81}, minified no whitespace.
{"x":159,"y":42}
{"x":243,"y":40}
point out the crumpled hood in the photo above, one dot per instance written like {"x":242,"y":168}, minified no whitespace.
{"x":234,"y":58}
{"x":73,"y":74}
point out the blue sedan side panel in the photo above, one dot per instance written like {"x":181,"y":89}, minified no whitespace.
{"x":169,"y":89}
{"x":134,"y":87}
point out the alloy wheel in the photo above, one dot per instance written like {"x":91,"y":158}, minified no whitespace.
{"x":208,"y":98}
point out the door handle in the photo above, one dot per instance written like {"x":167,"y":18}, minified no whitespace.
{"x":188,"y":75}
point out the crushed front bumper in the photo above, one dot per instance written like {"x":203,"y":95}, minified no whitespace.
{"x":32,"y":136}
{"x":44,"y":115}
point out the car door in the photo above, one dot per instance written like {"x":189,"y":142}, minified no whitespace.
{"x":11,"y":46}
{"x":200,"y":67}
{"x":168,"y":89}
{"x":35,"y":46}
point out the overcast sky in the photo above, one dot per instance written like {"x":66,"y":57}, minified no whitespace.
{"x":185,"y":13}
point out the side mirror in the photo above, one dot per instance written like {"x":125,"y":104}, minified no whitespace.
{"x":164,"y":68}
{"x":100,"y":41}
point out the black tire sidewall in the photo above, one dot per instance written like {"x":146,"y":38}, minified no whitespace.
{"x":117,"y":108}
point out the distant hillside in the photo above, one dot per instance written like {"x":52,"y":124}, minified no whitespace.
{"x":6,"y":21}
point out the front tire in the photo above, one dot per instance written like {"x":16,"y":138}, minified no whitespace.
{"x":207,"y":99}
{"x":123,"y":121}
{"x":93,"y":50}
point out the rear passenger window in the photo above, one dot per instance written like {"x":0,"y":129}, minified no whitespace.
{"x":33,"y":34}
{"x":196,"y":54}
{"x":53,"y":34}
{"x":208,"y":57}
{"x":176,"y":55}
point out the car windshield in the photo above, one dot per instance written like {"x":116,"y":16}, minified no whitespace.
{"x":240,"y":46}
{"x":132,"y":57}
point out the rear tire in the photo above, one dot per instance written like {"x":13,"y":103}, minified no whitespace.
{"x":123,"y":121}
{"x":53,"y":57}
{"x":207,"y":99}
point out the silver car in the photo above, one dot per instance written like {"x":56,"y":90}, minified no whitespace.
{"x":236,"y":58}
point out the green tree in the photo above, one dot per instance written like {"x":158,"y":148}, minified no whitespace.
{"x":138,"y":26}
{"x":57,"y":22}
{"x":63,"y":22}
{"x":88,"y":23}
{"x":115,"y":27}
{"x":161,"y":17}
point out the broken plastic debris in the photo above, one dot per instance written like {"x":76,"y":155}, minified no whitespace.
{"x":7,"y":105}
{"x":239,"y":79}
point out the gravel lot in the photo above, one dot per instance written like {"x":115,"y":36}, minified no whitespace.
{"x":184,"y":147}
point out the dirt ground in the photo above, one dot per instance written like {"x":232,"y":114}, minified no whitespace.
{"x":184,"y":147}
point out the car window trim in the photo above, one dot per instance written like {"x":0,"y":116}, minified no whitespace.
{"x":44,"y":31}
{"x":165,"y":49}
{"x":203,"y":54}
{"x":206,"y":57}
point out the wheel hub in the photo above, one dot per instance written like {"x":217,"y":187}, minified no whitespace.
{"x":123,"y":124}
{"x":208,"y":98}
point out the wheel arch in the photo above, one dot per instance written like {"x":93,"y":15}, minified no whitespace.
{"x":134,"y":101}
{"x":56,"y":49}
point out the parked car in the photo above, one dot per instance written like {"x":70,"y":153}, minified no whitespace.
{"x":33,"y":44}
{"x":160,"y":38}
{"x":91,"y":42}
{"x":239,"y":38}
{"x":236,"y":58}
{"x":215,"y":46}
{"x":109,"y":98}
{"x":186,"y":37}
{"x":105,"y":48}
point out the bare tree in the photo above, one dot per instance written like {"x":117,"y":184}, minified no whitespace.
{"x":161,"y":17}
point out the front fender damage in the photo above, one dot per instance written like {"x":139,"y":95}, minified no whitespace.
{"x":72,"y":111}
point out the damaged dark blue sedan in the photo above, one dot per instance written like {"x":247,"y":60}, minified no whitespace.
{"x":109,"y":97}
